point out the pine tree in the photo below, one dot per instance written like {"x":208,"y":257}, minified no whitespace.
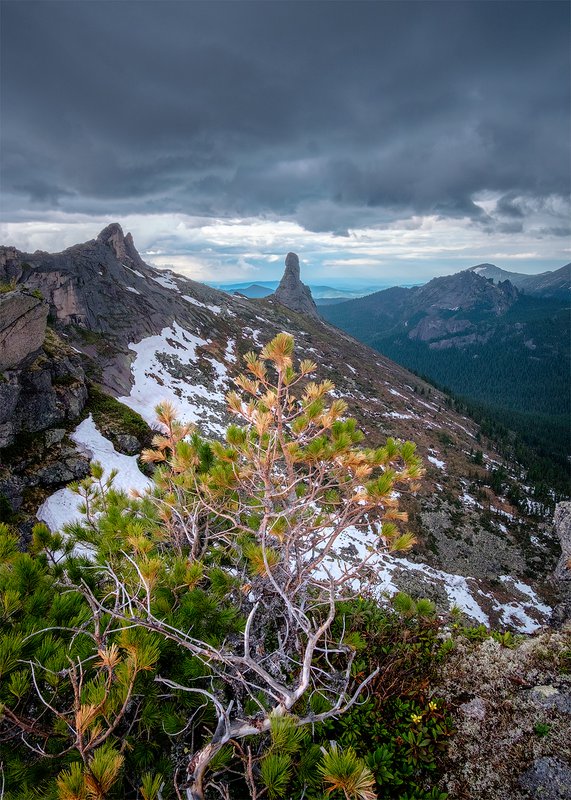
{"x":218,"y":591}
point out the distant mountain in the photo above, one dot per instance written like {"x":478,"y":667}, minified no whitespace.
{"x":446,"y":312}
{"x":146,"y":335}
{"x":546,"y":284}
{"x":483,"y":339}
{"x":265,"y":288}
{"x":254,"y":290}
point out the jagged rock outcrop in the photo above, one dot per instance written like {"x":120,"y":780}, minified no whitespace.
{"x":23,"y":320}
{"x":122,"y":245}
{"x":292,"y":293}
{"x":103,"y":296}
{"x":562,"y":572}
{"x":562,"y":523}
{"x":85,"y":285}
{"x":42,"y":386}
{"x":42,"y":391}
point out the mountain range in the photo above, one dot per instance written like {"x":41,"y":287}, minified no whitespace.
{"x":556,"y":283}
{"x":321,"y":294}
{"x":499,"y":340}
{"x":116,"y":336}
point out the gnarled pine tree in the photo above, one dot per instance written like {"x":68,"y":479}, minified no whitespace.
{"x":234,"y":562}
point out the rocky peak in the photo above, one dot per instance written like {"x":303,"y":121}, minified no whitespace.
{"x":291,"y":292}
{"x":122,"y":245}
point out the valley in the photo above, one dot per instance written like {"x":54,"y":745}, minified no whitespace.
{"x":503,"y":352}
{"x":147,"y":336}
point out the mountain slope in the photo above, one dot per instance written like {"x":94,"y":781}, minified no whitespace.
{"x":505,"y":350}
{"x":547,"y":284}
{"x":148,"y":335}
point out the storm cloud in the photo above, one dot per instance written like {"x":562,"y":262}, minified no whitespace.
{"x":333,"y":115}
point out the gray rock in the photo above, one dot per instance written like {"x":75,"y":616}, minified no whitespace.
{"x":127,"y":444}
{"x":23,"y":320}
{"x":9,"y":393}
{"x":64,"y":471}
{"x":551,"y":697}
{"x":54,"y":436}
{"x":292,"y":293}
{"x":548,"y":779}
{"x":7,"y":434}
{"x":562,"y":522}
{"x":562,"y":573}
{"x":12,"y":488}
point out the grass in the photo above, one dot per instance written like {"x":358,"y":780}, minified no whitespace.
{"x":113,"y":417}
{"x":7,"y":287}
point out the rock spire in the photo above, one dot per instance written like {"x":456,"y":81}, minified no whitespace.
{"x":292,"y":293}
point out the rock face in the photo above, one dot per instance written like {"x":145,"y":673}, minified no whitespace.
{"x":562,"y":572}
{"x":292,"y":293}
{"x":85,"y":284}
{"x":41,"y":391}
{"x":22,"y":326}
{"x":563,"y":531}
{"x":42,"y":386}
{"x":103,"y":296}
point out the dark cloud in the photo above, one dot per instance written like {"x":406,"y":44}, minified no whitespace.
{"x":330,"y":113}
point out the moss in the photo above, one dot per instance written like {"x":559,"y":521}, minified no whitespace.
{"x":88,"y":336}
{"x":53,"y":345}
{"x":8,"y":287}
{"x":6,"y":513}
{"x":113,"y":418}
{"x":25,"y":444}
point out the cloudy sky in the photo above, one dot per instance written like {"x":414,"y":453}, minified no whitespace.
{"x":382,"y":141}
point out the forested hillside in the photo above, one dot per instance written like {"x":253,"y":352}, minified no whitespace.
{"x":514,"y":368}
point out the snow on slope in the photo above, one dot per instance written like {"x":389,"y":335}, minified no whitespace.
{"x":166,"y":368}
{"x":525,"y":616}
{"x":178,"y":366}
{"x":62,"y":506}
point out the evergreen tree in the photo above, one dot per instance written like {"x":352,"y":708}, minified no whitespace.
{"x":206,"y":612}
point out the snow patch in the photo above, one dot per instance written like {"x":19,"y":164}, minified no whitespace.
{"x":230,"y":352}
{"x":255,"y":335}
{"x":62,"y":506}
{"x":134,"y":271}
{"x":154,"y":383}
{"x":167,"y":281}
{"x":354,"y":545}
{"x":193,"y":301}
{"x":132,"y":289}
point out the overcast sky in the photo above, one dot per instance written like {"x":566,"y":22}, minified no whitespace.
{"x":382,"y":141}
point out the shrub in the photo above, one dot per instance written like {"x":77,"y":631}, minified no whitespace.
{"x":196,"y":632}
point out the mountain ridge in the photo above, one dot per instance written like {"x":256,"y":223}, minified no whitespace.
{"x":147,"y":335}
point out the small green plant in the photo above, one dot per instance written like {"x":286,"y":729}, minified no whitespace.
{"x":506,"y":638}
{"x":541,"y":729}
{"x":8,"y":286}
{"x":114,"y":417}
